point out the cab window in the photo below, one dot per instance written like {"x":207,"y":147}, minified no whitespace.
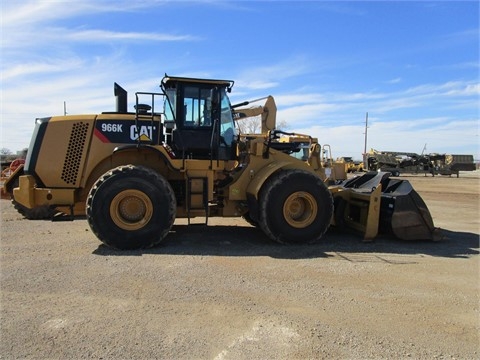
{"x":197,"y":106}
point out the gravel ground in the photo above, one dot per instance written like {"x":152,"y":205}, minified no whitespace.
{"x":224,"y":292}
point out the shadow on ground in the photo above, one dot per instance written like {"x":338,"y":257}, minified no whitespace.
{"x":249,"y":241}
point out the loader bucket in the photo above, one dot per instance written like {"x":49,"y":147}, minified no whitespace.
{"x":402,"y":212}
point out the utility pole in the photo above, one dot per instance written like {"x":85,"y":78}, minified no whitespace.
{"x":424,"y":148}
{"x":64,"y":108}
{"x":365,"y":162}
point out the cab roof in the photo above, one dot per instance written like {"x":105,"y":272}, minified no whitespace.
{"x":175,"y":79}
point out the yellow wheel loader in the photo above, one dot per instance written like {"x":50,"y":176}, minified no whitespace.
{"x":178,"y":155}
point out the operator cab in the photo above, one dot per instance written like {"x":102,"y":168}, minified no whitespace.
{"x":198,"y":118}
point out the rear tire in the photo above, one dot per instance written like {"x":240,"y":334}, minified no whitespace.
{"x":131,"y":207}
{"x":295,"y":207}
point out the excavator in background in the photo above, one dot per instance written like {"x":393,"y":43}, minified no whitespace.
{"x":178,"y":155}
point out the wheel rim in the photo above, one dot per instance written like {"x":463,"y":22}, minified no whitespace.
{"x":131,"y":209}
{"x":300,"y":209}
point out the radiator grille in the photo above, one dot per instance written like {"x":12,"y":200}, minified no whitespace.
{"x":75,"y":149}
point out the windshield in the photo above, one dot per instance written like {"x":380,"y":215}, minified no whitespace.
{"x":302,"y":154}
{"x":227,"y":125}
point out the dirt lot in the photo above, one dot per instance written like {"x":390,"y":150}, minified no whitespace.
{"x":224,"y":292}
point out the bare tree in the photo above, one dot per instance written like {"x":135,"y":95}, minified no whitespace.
{"x":250,"y":125}
{"x":282,"y":125}
{"x":5,"y":151}
{"x":253,"y":125}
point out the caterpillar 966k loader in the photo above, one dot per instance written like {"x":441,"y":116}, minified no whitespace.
{"x":178,"y":156}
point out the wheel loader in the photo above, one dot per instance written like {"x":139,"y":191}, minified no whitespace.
{"x":178,"y":154}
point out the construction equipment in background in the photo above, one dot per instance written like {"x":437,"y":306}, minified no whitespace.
{"x":178,"y":155}
{"x":406,"y":162}
{"x":352,"y":166}
{"x":7,"y":171}
{"x":450,"y":164}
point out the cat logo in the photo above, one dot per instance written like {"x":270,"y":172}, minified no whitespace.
{"x":142,"y":133}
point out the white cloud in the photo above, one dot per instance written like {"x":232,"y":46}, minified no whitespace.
{"x":302,"y":113}
{"x":55,"y":37}
{"x":28,"y":23}
{"x":267,"y":77}
{"x":450,"y":88}
{"x":48,"y":66}
{"x":464,"y":90}
{"x":103,"y":35}
{"x":29,"y":13}
{"x":394,"y":81}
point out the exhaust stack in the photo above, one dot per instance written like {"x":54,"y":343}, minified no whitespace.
{"x":121,"y":98}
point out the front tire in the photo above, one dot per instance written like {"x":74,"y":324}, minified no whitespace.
{"x":295,"y":207}
{"x":131,"y":207}
{"x":249,"y":220}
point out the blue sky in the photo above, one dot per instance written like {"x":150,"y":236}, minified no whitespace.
{"x":413,"y":66}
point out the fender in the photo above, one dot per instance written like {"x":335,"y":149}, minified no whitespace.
{"x":262,"y":175}
{"x":104,"y":165}
{"x":154,"y":149}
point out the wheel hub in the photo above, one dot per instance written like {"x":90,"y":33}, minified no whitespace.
{"x":300,"y":209}
{"x":131,"y":209}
